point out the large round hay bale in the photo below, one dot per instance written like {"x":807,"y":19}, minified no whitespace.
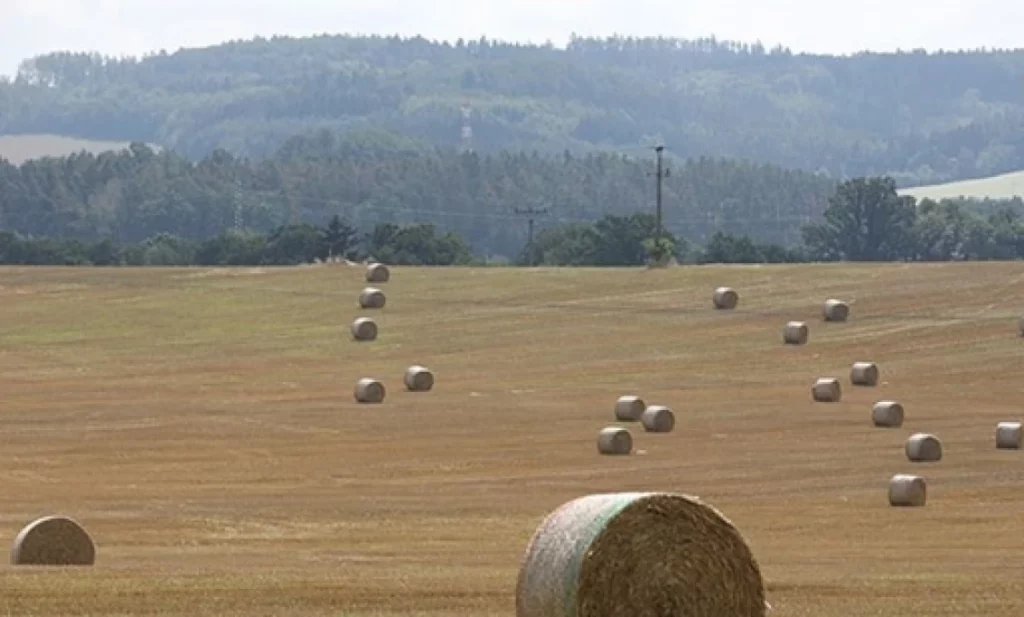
{"x":835,"y":310}
{"x":629,"y":408}
{"x":864,"y":374}
{"x":924,"y":448}
{"x":658,"y":419}
{"x":827,"y":390}
{"x":418,"y":379}
{"x":1008,"y":436}
{"x":364,"y":329}
{"x":644,"y":554}
{"x":372,"y":298}
{"x":377,"y":273}
{"x":369,"y":391}
{"x":53,"y":541}
{"x":725,"y":298}
{"x":614,"y":440}
{"x":795,"y":333}
{"x":907,"y":491}
{"x":888,"y":414}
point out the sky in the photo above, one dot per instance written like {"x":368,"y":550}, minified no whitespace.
{"x":133,"y":27}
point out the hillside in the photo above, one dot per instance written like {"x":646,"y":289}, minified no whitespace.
{"x":19,"y":148}
{"x":1003,"y":186}
{"x":924,"y":118}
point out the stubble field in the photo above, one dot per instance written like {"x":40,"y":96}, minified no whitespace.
{"x":200,"y":424}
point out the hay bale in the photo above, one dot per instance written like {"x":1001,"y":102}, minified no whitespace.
{"x":725,"y":298}
{"x":372,"y":298}
{"x":907,"y":491}
{"x":827,"y":390}
{"x":835,"y":310}
{"x":1008,"y":435}
{"x":658,"y":419}
{"x":369,"y":391}
{"x":924,"y":448}
{"x":418,"y":379}
{"x":364,"y":329}
{"x":642,"y":554}
{"x":614,"y":440}
{"x":629,"y":408}
{"x":864,"y":374}
{"x":53,"y":541}
{"x":795,"y":333}
{"x":377,"y":273}
{"x":888,"y":414}
{"x":1020,"y":325}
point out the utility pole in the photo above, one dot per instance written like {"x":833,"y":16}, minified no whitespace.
{"x":660,"y":174}
{"x":531,"y":214}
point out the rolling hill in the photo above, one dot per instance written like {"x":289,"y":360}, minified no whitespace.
{"x":19,"y":148}
{"x":1004,"y":186}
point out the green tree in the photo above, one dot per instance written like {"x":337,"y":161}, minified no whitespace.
{"x":339,"y":238}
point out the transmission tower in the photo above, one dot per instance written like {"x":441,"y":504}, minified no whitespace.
{"x":660,"y":173}
{"x":467,"y":128}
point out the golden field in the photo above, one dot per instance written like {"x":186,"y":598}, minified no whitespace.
{"x":200,"y":424}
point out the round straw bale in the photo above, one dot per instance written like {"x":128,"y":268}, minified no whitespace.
{"x":835,"y":310}
{"x":907,"y":490}
{"x":827,"y":390}
{"x":726,"y":298}
{"x":795,"y":333}
{"x":924,"y":448}
{"x":1008,"y":435}
{"x":372,"y":298}
{"x":418,"y":379}
{"x":629,"y":408}
{"x":864,"y":374}
{"x":614,"y":440}
{"x":658,"y":419}
{"x":364,"y":329}
{"x":1020,"y":325}
{"x":53,"y":541}
{"x":377,"y":273}
{"x":369,"y":391}
{"x":888,"y":414}
{"x":643,"y":554}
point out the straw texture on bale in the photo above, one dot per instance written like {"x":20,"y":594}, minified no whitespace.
{"x":924,"y":448}
{"x":726,"y":298}
{"x":629,"y":408}
{"x":418,"y":379}
{"x":53,"y":541}
{"x":864,"y":374}
{"x":643,"y":554}
{"x":614,"y":440}
{"x":372,"y":298}
{"x":1008,"y":435}
{"x":795,"y":333}
{"x":836,"y":310}
{"x":369,"y":391}
{"x":658,"y":419}
{"x":827,"y":390}
{"x":907,"y":491}
{"x":1020,"y":325}
{"x":364,"y":329}
{"x":377,"y":273}
{"x":887,"y":414}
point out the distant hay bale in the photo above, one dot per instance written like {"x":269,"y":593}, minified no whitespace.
{"x":372,"y":298}
{"x":614,"y":440}
{"x":418,"y":379}
{"x":53,"y":541}
{"x":795,"y":333}
{"x":364,"y":329}
{"x":629,"y":408}
{"x":725,"y":298}
{"x":907,"y":491}
{"x":888,"y":414}
{"x":827,"y":390}
{"x":1008,"y":435}
{"x":864,"y":374}
{"x":835,"y":310}
{"x":924,"y":448}
{"x":658,"y":419}
{"x":369,"y":391}
{"x":377,"y":273}
{"x":609,"y":555}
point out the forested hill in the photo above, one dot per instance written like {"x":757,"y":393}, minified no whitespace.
{"x":920,"y":117}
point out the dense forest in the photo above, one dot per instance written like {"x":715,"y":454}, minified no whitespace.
{"x":917,"y":117}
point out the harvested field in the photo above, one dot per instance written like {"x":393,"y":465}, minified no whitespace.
{"x":203,"y":430}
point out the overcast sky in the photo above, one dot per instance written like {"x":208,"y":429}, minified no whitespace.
{"x":115,"y":27}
